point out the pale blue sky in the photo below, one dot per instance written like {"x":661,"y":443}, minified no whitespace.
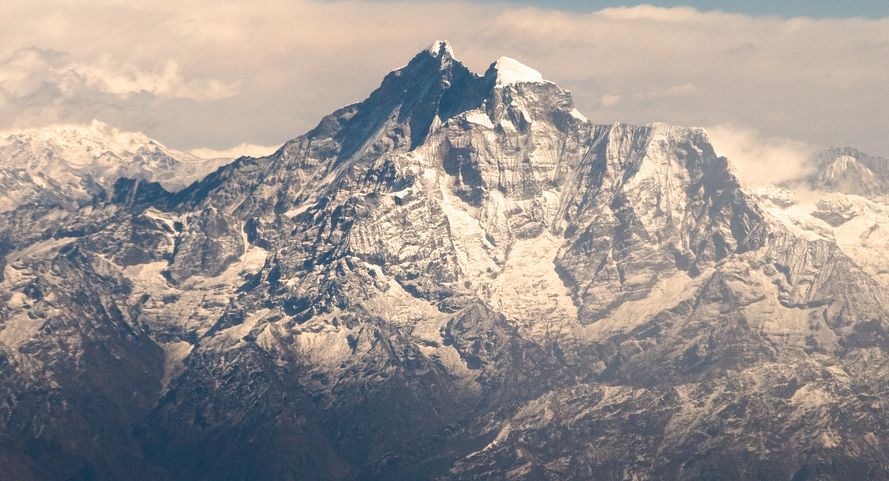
{"x":783,"y":8}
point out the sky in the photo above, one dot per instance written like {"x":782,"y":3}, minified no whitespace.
{"x":215,"y":74}
{"x":783,"y":8}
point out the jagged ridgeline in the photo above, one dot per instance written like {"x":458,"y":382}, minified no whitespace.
{"x":458,"y":278}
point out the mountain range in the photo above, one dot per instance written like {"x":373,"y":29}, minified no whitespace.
{"x":457,"y":278}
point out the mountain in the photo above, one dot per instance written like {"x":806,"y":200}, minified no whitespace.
{"x":70,"y":164}
{"x":850,"y":171}
{"x":458,"y":278}
{"x":843,"y":201}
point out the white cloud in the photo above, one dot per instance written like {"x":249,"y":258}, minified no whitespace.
{"x":760,"y":159}
{"x":214,"y":72}
{"x":166,"y":82}
{"x":23,"y":73}
{"x":239,"y":150}
{"x":29,"y":70}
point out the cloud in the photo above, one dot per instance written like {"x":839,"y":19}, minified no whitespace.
{"x":28,"y":71}
{"x":42,"y":86}
{"x":760,"y":159}
{"x":239,"y":150}
{"x":670,"y":92}
{"x":166,"y":82}
{"x":215,"y":72}
{"x":23,"y":73}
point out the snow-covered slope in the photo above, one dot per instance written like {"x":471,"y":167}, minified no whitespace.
{"x":510,"y":71}
{"x":459,"y":277}
{"x":858,"y":225}
{"x":69,"y":164}
{"x":844,"y":201}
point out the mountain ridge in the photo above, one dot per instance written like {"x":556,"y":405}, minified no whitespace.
{"x":452,"y":279}
{"x":70,"y":164}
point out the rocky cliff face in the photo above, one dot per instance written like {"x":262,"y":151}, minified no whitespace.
{"x":457,"y":278}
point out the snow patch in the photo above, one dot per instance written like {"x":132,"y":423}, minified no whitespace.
{"x":467,"y":235}
{"x":20,"y":328}
{"x":667,"y":293}
{"x":510,"y":71}
{"x":148,"y":275}
{"x":174,"y":353}
{"x":16,"y":300}
{"x":38,"y":249}
{"x":437,"y":46}
{"x":327,"y":348}
{"x":810,"y":397}
{"x":479,"y":117}
{"x":398,"y":306}
{"x":529,"y":289}
{"x":856,"y":224}
{"x":298,"y":210}
{"x":577,"y":115}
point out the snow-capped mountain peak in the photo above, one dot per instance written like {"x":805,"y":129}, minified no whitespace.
{"x":69,"y":163}
{"x":849,"y":171}
{"x":441,"y":48}
{"x":458,"y":278}
{"x":510,"y":71}
{"x":81,"y":144}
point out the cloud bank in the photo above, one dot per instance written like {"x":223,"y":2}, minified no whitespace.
{"x":217,"y":73}
{"x":761,"y":159}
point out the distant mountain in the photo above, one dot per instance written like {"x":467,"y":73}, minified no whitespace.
{"x":458,"y":278}
{"x":843,"y":201}
{"x":70,"y":164}
{"x":850,"y":171}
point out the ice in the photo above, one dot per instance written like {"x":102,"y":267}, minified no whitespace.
{"x":510,"y":71}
